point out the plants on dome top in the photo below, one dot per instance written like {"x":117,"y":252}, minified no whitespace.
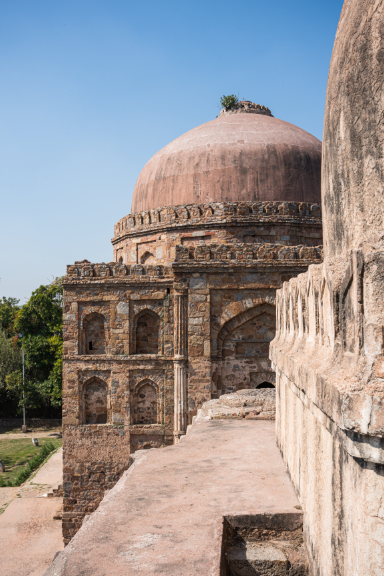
{"x":228,"y":101}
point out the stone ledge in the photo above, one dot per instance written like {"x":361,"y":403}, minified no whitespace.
{"x":368,"y":448}
{"x":171,"y":217}
{"x":114,"y":273}
{"x":118,"y":358}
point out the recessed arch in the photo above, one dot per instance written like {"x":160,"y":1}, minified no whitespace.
{"x":239,"y":320}
{"x":94,"y":334}
{"x":146,"y":403}
{"x":95,"y":401}
{"x":146,"y":332}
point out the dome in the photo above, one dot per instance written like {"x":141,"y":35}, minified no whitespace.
{"x":239,"y":156}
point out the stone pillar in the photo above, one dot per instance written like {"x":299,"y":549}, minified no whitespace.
{"x":180,"y":368}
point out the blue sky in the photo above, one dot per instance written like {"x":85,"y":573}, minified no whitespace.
{"x":91,"y":89}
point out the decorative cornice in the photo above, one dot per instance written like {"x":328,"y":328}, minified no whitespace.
{"x":215,"y":214}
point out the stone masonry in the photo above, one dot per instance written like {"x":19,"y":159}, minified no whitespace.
{"x":328,"y":350}
{"x":184,"y":314}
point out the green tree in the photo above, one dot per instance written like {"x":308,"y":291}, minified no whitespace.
{"x":9,"y":307}
{"x":10,"y":358}
{"x":40,"y":323}
{"x":228,"y":101}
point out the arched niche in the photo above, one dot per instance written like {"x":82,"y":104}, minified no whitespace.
{"x":243,"y":348}
{"x":249,"y":333}
{"x":94,"y":334}
{"x":146,"y":332}
{"x":146,"y":403}
{"x":95,"y":402}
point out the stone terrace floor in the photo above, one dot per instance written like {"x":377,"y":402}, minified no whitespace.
{"x":165,"y":515}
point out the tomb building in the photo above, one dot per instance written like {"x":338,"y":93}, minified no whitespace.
{"x":185,"y":312}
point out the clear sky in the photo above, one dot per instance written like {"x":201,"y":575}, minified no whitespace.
{"x":91,"y":89}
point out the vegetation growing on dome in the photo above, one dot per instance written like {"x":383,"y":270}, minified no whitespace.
{"x":228,"y":101}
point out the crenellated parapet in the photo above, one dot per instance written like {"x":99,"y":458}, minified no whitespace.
{"x":223,"y":253}
{"x":215,"y":213}
{"x":247,"y":252}
{"x":113,"y":270}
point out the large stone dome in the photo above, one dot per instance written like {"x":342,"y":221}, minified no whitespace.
{"x":244,"y":155}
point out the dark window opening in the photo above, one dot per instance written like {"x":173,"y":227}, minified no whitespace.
{"x":265,"y":385}
{"x":90,"y":346}
{"x":121,"y":259}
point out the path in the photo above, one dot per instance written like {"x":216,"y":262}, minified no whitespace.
{"x":29,"y":537}
{"x":165,"y":515}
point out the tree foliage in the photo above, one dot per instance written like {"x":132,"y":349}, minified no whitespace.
{"x":9,"y":308}
{"x":228,"y":101}
{"x":10,"y":358}
{"x":38,"y":327}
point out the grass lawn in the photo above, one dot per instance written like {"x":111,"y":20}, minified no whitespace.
{"x":17,"y":453}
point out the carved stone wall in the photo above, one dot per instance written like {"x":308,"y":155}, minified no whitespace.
{"x":353,"y":167}
{"x":328,"y":349}
{"x":330,"y":396}
{"x":165,"y":330}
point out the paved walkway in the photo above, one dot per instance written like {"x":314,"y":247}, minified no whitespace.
{"x":29,"y":537}
{"x":165,"y":515}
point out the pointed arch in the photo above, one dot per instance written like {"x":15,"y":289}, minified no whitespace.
{"x":239,"y":320}
{"x":95,"y":395}
{"x":146,"y":403}
{"x":146,"y":332}
{"x":94,"y":334}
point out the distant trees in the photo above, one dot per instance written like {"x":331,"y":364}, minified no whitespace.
{"x":9,"y":307}
{"x":37,"y":327}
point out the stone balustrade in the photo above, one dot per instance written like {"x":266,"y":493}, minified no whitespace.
{"x":215,"y":212}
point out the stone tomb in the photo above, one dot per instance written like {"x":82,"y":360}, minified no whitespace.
{"x":186,"y":310}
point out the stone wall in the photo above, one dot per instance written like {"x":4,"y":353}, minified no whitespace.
{"x":353,"y":166}
{"x":152,"y":238}
{"x":328,"y":349}
{"x":94,"y":459}
{"x":330,"y":396}
{"x":148,"y":341}
{"x":215,"y":320}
